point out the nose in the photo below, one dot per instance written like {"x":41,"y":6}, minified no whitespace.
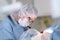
{"x":32,"y":19}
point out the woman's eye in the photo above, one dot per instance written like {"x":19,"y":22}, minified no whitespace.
{"x":29,"y":18}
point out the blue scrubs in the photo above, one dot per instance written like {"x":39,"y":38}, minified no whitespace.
{"x":10,"y":29}
{"x":52,"y":28}
{"x":56,"y":34}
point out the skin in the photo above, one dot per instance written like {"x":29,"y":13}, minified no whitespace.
{"x":31,"y":19}
{"x":15,"y":18}
{"x":23,"y":17}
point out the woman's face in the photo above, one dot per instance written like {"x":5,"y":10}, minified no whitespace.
{"x":32,"y":18}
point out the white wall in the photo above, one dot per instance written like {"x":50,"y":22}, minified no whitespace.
{"x":26,"y":1}
{"x":55,"y":8}
{"x":43,"y":6}
{"x":23,"y":1}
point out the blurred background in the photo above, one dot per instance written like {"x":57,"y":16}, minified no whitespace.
{"x":45,"y":9}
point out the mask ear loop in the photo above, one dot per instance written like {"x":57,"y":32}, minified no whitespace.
{"x":28,"y":27}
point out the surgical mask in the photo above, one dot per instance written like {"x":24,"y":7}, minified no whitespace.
{"x":24,"y":22}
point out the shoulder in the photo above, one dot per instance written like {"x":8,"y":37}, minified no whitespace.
{"x":5,"y":25}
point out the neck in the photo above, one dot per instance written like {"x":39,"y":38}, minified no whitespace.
{"x":15,"y":18}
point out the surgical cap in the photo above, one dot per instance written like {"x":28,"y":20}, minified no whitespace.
{"x":28,"y":10}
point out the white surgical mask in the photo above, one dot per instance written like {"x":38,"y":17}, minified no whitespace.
{"x":23,"y":23}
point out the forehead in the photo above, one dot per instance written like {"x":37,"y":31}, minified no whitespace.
{"x":33,"y":16}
